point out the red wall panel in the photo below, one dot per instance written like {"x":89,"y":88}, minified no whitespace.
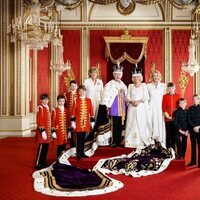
{"x":72,"y":52}
{"x":180,"y":43}
{"x":154,"y":48}
{"x":43,"y":72}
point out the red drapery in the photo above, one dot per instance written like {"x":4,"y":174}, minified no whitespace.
{"x":134,"y":50}
{"x":127,"y":70}
{"x":154,"y":49}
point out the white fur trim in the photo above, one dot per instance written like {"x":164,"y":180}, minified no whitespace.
{"x":164,"y":165}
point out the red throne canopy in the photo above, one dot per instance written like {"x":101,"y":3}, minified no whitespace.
{"x":127,"y":50}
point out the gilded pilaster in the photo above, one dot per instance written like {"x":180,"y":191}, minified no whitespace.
{"x":168,"y":55}
{"x":197,"y":75}
{"x":168,"y":44}
{"x":85,"y":43}
{"x":54,"y":79}
{"x":14,"y":71}
{"x":85,"y":53}
{"x":4,"y":59}
{"x":34,"y":83}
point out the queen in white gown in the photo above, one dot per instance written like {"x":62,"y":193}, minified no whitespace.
{"x":94,"y":88}
{"x":138,"y":127}
{"x":156,"y":91}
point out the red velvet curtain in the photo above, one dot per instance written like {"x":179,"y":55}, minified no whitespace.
{"x":117,"y":50}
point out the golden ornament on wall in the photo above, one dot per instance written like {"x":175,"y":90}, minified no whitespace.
{"x":69,"y":77}
{"x":98,"y":66}
{"x":153,"y":69}
{"x":183,"y":82}
{"x":125,"y":7}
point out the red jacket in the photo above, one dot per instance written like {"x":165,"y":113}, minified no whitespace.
{"x":70,"y":98}
{"x":82,"y":111}
{"x":43,"y":122}
{"x":59,"y":123}
{"x":170,"y":104}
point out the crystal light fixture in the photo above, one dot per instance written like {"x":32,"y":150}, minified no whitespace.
{"x":31,"y":30}
{"x":191,"y":66}
{"x":57,"y":61}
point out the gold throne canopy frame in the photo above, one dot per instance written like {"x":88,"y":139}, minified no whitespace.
{"x":125,"y":38}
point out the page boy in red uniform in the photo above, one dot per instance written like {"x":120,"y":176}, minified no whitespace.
{"x":43,"y":131}
{"x":82,"y":120}
{"x":70,"y":98}
{"x":169,"y":105}
{"x":59,"y":125}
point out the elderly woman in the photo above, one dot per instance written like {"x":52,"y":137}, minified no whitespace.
{"x":156,"y":91}
{"x":94,"y":88}
{"x":138,"y":127}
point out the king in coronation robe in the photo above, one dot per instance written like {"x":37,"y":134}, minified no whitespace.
{"x":114,"y":101}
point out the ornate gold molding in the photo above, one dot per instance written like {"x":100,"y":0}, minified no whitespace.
{"x":183,"y":82}
{"x":153,"y":69}
{"x":126,"y":38}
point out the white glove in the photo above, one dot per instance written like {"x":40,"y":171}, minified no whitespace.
{"x":92,"y":124}
{"x":196,"y":129}
{"x":44,"y":135}
{"x":73,"y":125}
{"x":54,"y":135}
{"x":69,"y":134}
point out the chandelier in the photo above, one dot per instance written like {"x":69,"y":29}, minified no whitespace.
{"x":37,"y":28}
{"x":57,"y":62}
{"x":192,"y":65}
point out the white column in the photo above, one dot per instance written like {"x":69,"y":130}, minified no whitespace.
{"x":85,"y":53}
{"x":14,"y":115}
{"x":54,"y":79}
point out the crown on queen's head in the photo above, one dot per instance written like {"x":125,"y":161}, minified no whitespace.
{"x":117,"y":68}
{"x":137,"y":72}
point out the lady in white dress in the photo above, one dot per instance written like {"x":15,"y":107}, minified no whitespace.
{"x":156,"y":91}
{"x":138,"y":127}
{"x":94,"y":88}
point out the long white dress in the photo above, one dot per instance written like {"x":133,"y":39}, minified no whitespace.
{"x":94,"y":92}
{"x":138,"y":127}
{"x":155,"y":110}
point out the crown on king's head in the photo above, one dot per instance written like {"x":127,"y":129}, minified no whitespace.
{"x":117,"y":68}
{"x":137,"y":71}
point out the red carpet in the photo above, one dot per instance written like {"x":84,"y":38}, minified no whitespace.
{"x":18,"y":157}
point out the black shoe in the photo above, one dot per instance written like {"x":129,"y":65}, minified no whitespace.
{"x":84,"y":156}
{"x":113,"y":145}
{"x":191,"y":164}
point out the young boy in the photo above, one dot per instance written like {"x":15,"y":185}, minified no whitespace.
{"x":81,"y":120}
{"x":43,"y":131}
{"x":182,"y":131}
{"x":70,"y":97}
{"x":169,"y":105}
{"x":59,"y":125}
{"x":194,"y":122}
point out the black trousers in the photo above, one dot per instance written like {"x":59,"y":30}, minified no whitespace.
{"x":170,"y":134}
{"x":181,"y":144}
{"x":116,"y":129}
{"x":60,"y":148}
{"x":41,"y":155}
{"x":195,"y":141}
{"x":72,"y":139}
{"x":80,"y":144}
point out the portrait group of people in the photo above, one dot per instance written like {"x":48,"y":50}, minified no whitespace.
{"x":145,"y":113}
